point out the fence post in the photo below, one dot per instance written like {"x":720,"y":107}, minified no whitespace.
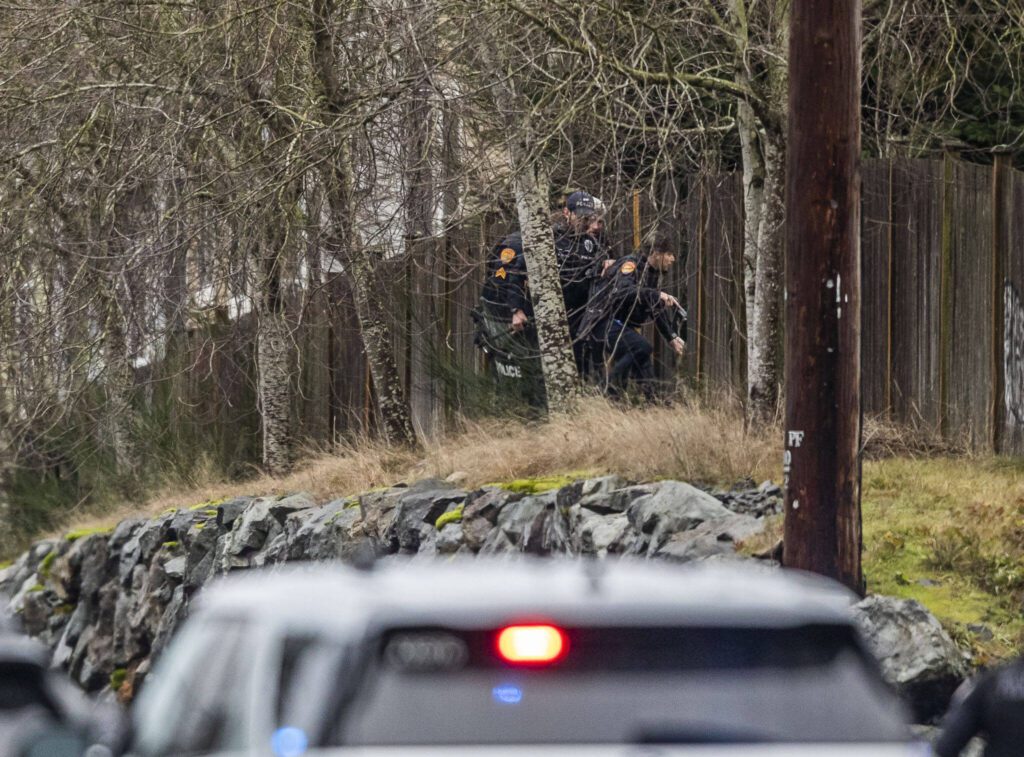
{"x":999,"y":249}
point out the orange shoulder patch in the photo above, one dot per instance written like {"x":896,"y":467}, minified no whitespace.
{"x":628,"y":267}
{"x":500,"y":273}
{"x":508,"y":255}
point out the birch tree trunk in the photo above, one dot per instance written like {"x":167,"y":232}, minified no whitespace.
{"x":120,"y":387}
{"x":273,"y":358}
{"x":753,"y":203}
{"x":561,"y":380}
{"x":764,"y":364}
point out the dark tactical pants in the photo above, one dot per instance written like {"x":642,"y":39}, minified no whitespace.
{"x":631,"y":357}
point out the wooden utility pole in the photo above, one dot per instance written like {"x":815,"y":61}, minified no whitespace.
{"x":823,"y":410}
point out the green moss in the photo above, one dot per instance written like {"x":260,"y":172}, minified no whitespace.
{"x":36,"y":589}
{"x":170,"y":511}
{"x":65,"y":609}
{"x":46,"y":564}
{"x":453,"y":516}
{"x":83,"y":532}
{"x":5,"y":564}
{"x":171,"y":544}
{"x":541,"y":483}
{"x":117,"y":678}
{"x":210,"y":503}
{"x":351,"y":503}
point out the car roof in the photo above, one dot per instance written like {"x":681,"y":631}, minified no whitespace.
{"x":480,"y":592}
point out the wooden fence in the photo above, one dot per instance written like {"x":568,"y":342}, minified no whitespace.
{"x":943,"y":310}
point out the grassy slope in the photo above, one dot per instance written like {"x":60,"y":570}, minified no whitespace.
{"x":946,"y":531}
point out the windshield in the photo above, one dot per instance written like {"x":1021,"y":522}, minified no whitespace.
{"x":618,"y":685}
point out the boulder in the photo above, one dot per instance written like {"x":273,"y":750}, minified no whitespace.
{"x":523,"y":521}
{"x":713,"y":538}
{"x":417,"y":508}
{"x":450,"y":539}
{"x":600,"y":535}
{"x":606,"y":501}
{"x":916,"y":654}
{"x":672,"y":507}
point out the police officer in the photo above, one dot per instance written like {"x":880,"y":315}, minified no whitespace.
{"x":504,"y":329}
{"x":581,"y":257}
{"x":994,"y":707}
{"x":626,"y":298}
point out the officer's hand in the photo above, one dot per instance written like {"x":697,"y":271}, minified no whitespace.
{"x":518,"y":320}
{"x":606,"y":265}
{"x":668,"y":300}
{"x":678,"y":345}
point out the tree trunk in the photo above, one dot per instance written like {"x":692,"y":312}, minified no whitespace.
{"x":392,"y":405}
{"x":753,"y":203}
{"x":371,"y":309}
{"x":764,"y":329}
{"x":273,"y":356}
{"x":119,"y":384}
{"x":561,"y":380}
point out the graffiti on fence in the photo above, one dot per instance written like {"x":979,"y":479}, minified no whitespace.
{"x":1013,"y":356}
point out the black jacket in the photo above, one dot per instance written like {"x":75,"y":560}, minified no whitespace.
{"x":995,"y":709}
{"x":505,"y":289}
{"x":628,"y":292}
{"x":579,"y":263}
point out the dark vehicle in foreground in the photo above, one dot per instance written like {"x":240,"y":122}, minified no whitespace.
{"x":540,"y":658}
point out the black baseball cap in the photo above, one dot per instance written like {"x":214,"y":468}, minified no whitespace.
{"x":583,"y":204}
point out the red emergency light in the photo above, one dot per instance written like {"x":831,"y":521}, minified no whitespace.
{"x":532,"y":645}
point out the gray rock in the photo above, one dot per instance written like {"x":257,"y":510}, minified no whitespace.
{"x":142,"y":545}
{"x":916,"y":654}
{"x":175,"y":568}
{"x":418,"y":508}
{"x":293,"y":503}
{"x":317,"y":536}
{"x":712,"y":538}
{"x":672,"y":507}
{"x":480,"y":513}
{"x":450,"y":539}
{"x":252,"y":528}
{"x":523,"y":521}
{"x":616,"y":500}
{"x":594,"y":534}
{"x":201,"y":542}
{"x":228,"y":512}
{"x":497,"y":543}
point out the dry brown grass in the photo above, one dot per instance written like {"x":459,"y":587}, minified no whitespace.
{"x":690,"y":441}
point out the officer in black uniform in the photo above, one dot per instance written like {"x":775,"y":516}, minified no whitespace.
{"x":581,"y":258}
{"x":504,"y":329}
{"x":994,"y":708}
{"x":626,"y":298}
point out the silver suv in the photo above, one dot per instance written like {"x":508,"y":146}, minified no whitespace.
{"x":547,"y":657}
